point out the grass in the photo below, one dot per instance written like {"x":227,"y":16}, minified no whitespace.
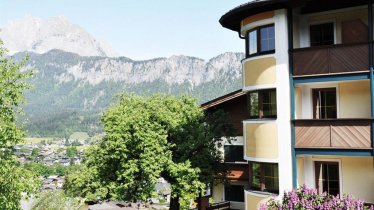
{"x":36,"y":140}
{"x":80,"y":136}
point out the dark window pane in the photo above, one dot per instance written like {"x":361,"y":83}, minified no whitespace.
{"x":256,"y":182}
{"x":325,"y":103}
{"x":264,"y":177}
{"x":322,"y":34}
{"x":264,"y":45}
{"x":267,"y":38}
{"x":330,"y":112}
{"x":327,"y":177}
{"x":256,"y":176}
{"x":269,"y":104}
{"x":262,"y":104}
{"x":253,"y":105}
{"x":234,"y":193}
{"x":233,"y":153}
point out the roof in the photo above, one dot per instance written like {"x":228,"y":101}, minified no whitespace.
{"x":222,"y":99}
{"x":232,"y":18}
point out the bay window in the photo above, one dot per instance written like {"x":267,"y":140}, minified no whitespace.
{"x":261,"y":40}
{"x":262,"y":104}
{"x":264,"y":177}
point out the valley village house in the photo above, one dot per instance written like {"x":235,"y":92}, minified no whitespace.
{"x":306,"y":106}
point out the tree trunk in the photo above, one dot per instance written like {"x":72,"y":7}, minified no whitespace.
{"x":174,"y":203}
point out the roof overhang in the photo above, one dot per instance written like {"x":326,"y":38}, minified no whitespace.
{"x":233,"y":18}
{"x":222,"y":99}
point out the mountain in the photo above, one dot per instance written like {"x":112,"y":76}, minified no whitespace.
{"x":71,"y":91}
{"x":78,"y":76}
{"x":42,"y":35}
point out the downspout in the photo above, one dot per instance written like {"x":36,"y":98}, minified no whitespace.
{"x":370,"y":31}
{"x":240,"y":35}
{"x":292,"y":95}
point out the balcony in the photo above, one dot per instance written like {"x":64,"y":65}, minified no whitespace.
{"x":238,"y":171}
{"x":333,"y":134}
{"x":331,"y":59}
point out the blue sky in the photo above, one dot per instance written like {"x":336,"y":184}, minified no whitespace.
{"x":142,"y":29}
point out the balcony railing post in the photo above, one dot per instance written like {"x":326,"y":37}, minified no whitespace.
{"x":292,"y":93}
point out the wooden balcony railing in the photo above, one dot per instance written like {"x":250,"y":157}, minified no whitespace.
{"x":331,"y":59}
{"x":333,"y":133}
{"x":220,"y":205}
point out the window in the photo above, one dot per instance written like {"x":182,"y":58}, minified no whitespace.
{"x":322,"y":34}
{"x":264,"y":177}
{"x":262,"y":104}
{"x":234,"y":153}
{"x":261,"y":40}
{"x":234,"y":193}
{"x":324,"y":103}
{"x":327,"y":177}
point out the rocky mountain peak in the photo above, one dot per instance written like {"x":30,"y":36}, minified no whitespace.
{"x":42,"y":35}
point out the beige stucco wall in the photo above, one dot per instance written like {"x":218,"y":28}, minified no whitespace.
{"x":218,"y":192}
{"x":298,"y":102}
{"x":300,"y":171}
{"x":354,"y":99}
{"x":338,"y":18}
{"x":261,"y":140}
{"x":259,"y":71}
{"x":254,"y":202}
{"x":357,"y":175}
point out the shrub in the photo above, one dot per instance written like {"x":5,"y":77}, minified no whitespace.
{"x":304,"y":198}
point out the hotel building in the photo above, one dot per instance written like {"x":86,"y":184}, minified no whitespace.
{"x":308,"y":82}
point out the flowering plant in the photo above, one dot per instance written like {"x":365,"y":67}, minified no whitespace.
{"x":304,"y":198}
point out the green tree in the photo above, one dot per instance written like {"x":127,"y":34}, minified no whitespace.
{"x":43,"y":170}
{"x":14,"y":180}
{"x":35,"y":152}
{"x":149,"y":137}
{"x":71,"y":151}
{"x":56,"y":200}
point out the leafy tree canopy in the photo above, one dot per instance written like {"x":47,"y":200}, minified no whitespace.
{"x":150,"y":137}
{"x":14,"y":180}
{"x":71,"y":151}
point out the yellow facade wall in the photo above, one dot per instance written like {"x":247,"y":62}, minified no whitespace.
{"x":354,"y":99}
{"x":254,"y":202}
{"x":261,"y":140}
{"x":298,"y":102}
{"x":358,"y":177}
{"x":338,"y":18}
{"x":300,"y":171}
{"x":218,"y":192}
{"x":357,"y":174}
{"x":260,"y":71}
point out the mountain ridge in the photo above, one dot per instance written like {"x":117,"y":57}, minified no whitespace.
{"x":79,"y":76}
{"x":79,"y":88}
